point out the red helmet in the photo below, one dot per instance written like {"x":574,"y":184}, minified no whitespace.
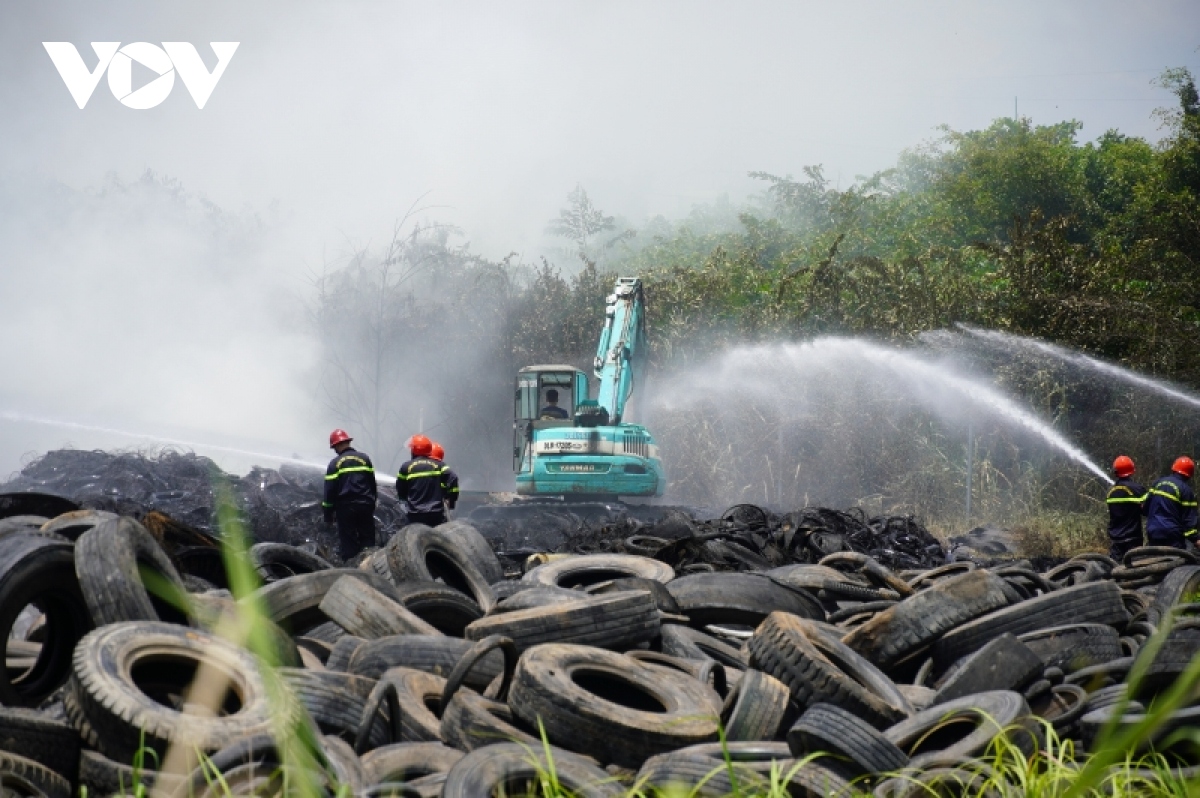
{"x":420,"y":446}
{"x":437,"y":452}
{"x":1123,"y":466}
{"x":1184,"y":467}
{"x":339,"y":436}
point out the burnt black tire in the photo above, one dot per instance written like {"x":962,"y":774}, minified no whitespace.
{"x":824,"y":728}
{"x":35,"y":735}
{"x":688,"y":643}
{"x":614,"y":621}
{"x":1074,"y":646}
{"x":294,"y":603}
{"x":275,"y":561}
{"x":403,"y":762}
{"x":124,"y":675}
{"x":24,"y":777}
{"x":477,"y":546}
{"x":739,"y":598}
{"x":335,"y":701}
{"x":471,"y":721}
{"x":819,"y":668}
{"x":40,"y":571}
{"x":755,"y":708}
{"x":514,"y":769}
{"x":421,"y":553}
{"x":436,"y":655}
{"x":945,"y":734}
{"x":446,"y":609}
{"x":910,"y":626}
{"x":609,"y":705}
{"x":1092,"y":602}
{"x":589,"y":569}
{"x":112,"y":560}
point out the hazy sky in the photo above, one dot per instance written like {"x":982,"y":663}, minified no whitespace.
{"x":332,"y":118}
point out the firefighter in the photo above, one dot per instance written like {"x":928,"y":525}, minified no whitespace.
{"x":425,"y":486}
{"x":1171,"y":508}
{"x":1124,"y":501}
{"x":350,"y":494}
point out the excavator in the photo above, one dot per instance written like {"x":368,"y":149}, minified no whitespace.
{"x":586,"y":449}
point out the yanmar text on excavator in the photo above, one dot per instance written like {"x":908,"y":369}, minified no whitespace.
{"x":568,"y":444}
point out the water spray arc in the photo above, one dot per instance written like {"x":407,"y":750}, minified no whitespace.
{"x":1003,"y":339}
{"x":934,"y":386}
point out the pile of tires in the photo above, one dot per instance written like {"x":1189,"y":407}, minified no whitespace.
{"x":429,"y":671}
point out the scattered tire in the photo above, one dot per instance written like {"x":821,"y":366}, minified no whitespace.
{"x":294,"y":603}
{"x":945,"y":734}
{"x":1003,"y":664}
{"x":418,"y":552}
{"x":1074,"y":646}
{"x":446,"y":609}
{"x":609,"y":705}
{"x":413,"y":702}
{"x":335,"y":701}
{"x":909,"y":627}
{"x":275,"y":561}
{"x":471,"y":721}
{"x":589,"y":569}
{"x":34,"y":735}
{"x":688,"y":643}
{"x":127,"y":680}
{"x":436,"y":655}
{"x":204,"y":562}
{"x":405,"y":762}
{"x":614,"y":621}
{"x":363,"y":611}
{"x":38,"y":571}
{"x":73,"y":524}
{"x":1093,"y":602}
{"x":113,"y":561}
{"x":824,"y":728}
{"x":819,"y":668}
{"x":515,"y":769}
{"x":739,"y":598}
{"x":755,"y":708}
{"x":24,"y":777}
{"x":476,"y":546}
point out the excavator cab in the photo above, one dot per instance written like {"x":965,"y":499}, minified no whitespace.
{"x":534,"y":384}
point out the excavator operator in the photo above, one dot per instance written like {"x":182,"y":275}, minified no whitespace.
{"x":552,"y":411}
{"x":425,"y":486}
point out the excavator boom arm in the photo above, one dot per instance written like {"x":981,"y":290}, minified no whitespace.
{"x":621,"y":350}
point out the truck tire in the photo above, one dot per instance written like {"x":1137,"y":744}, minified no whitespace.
{"x":904,"y":630}
{"x":110,"y":559}
{"x":418,"y":552}
{"x":819,"y":668}
{"x":609,"y":705}
{"x":755,"y":707}
{"x":739,"y":598}
{"x":614,"y":621}
{"x":1091,"y":602}
{"x":588,"y":569}
{"x":275,"y":561}
{"x":824,"y":728}
{"x":124,"y":674}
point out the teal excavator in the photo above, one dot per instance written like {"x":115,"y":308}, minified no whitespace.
{"x":567,"y":444}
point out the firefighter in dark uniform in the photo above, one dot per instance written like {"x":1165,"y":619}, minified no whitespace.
{"x":425,"y":486}
{"x":1171,"y":508}
{"x":1124,"y":501}
{"x":350,"y":494}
